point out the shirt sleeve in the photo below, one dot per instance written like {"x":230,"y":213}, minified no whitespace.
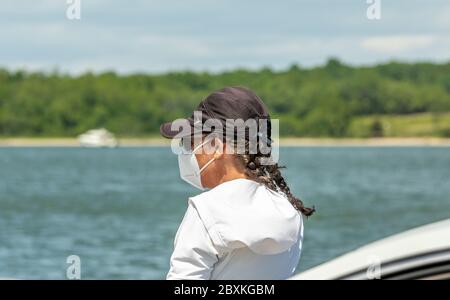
{"x":194,"y":253}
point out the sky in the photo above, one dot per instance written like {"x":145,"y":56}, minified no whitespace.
{"x":157,"y":36}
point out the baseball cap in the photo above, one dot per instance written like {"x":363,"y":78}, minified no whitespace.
{"x":227,"y":103}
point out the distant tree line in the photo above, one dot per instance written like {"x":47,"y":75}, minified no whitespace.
{"x":320,"y":101}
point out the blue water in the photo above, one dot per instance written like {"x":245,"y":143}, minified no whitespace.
{"x":119,"y":209}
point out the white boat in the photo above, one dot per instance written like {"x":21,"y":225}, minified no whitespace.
{"x":421,"y":253}
{"x":98,"y":138}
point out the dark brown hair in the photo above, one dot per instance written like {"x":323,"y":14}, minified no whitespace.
{"x":271,"y":177}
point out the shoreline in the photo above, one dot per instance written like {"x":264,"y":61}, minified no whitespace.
{"x":284,"y":142}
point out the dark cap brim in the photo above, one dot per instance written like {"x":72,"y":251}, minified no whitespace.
{"x":176,"y":129}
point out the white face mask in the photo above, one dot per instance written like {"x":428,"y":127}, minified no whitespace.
{"x":189,"y":168}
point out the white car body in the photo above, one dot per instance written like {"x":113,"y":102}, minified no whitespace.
{"x":421,"y":253}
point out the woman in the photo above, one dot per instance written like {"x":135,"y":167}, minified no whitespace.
{"x":248,"y":225}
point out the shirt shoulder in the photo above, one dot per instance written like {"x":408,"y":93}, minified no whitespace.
{"x":244,"y":213}
{"x":194,"y":254}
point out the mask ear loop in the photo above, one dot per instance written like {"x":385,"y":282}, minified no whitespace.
{"x":206,"y":165}
{"x":196,"y":148}
{"x":209,"y":162}
{"x":202,"y":144}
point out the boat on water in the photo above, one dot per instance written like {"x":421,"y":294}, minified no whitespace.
{"x":97,"y":138}
{"x":420,"y":253}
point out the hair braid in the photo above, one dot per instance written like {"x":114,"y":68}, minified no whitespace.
{"x":271,"y":177}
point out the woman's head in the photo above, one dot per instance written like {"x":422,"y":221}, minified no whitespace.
{"x":217,"y":163}
{"x":229,"y":137}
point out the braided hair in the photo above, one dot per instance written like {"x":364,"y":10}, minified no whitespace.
{"x":270,"y":176}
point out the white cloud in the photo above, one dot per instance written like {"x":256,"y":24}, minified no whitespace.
{"x":157,"y":35}
{"x":398,"y":44}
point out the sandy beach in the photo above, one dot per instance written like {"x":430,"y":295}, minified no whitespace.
{"x":286,"y":142}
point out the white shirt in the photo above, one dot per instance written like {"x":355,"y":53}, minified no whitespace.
{"x":238,"y":230}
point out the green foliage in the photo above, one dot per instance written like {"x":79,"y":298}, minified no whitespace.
{"x":333,"y":100}
{"x":410,"y":125}
{"x":376,"y":130}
